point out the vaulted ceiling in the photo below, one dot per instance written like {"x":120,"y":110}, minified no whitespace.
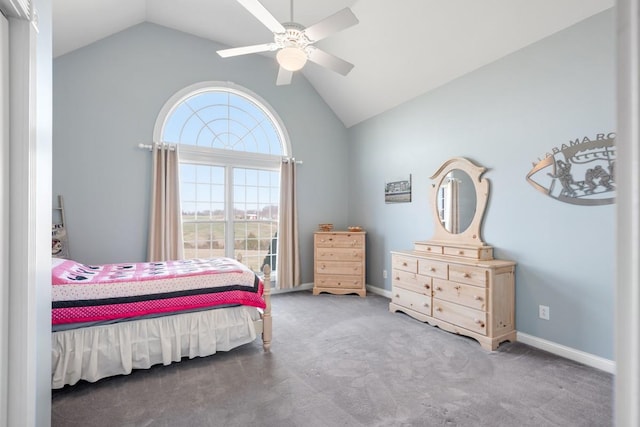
{"x":400,"y":49}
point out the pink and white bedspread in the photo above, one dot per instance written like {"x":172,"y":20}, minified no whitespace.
{"x":93,"y":293}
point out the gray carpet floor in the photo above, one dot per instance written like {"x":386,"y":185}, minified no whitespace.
{"x":347,"y":361}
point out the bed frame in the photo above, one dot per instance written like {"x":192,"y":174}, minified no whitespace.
{"x":86,"y":357}
{"x":265,"y":324}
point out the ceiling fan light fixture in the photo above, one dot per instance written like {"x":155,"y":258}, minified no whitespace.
{"x":291,"y":58}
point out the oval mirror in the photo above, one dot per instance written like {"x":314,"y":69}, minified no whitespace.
{"x":459,"y":197}
{"x":456,"y":201}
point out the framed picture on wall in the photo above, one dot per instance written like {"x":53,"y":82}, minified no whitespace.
{"x":398,"y":191}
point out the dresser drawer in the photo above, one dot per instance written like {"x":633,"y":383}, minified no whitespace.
{"x":339,"y":254}
{"x":467,"y":274}
{"x":411,"y":281}
{"x":465,"y":317}
{"x":405,"y":263}
{"x":339,"y":267}
{"x":472,"y":253}
{"x":428,"y":248}
{"x":342,"y":240}
{"x":433,"y":268}
{"x":470,"y":296}
{"x":415,"y":301}
{"x":340,"y":282}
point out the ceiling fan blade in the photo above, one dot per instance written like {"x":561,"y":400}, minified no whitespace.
{"x":235,"y":51}
{"x":332,"y":24}
{"x":284,"y":77}
{"x":263,"y":15}
{"x":329,"y":61}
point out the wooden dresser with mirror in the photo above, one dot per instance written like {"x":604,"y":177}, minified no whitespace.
{"x":452,"y":281}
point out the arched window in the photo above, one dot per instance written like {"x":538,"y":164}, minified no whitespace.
{"x":231,"y":147}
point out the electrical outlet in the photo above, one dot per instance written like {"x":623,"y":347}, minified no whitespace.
{"x":384,"y":274}
{"x":543,"y":312}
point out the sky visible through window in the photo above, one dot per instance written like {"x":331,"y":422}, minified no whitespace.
{"x":222,"y":120}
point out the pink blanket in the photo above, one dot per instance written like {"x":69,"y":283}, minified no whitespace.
{"x":90,"y":293}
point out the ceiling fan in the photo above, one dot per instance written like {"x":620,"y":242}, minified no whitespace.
{"x":295,"y":43}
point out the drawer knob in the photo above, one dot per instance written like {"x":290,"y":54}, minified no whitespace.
{"x":480,"y":322}
{"x":426,"y":304}
{"x":426,"y":286}
{"x":478,"y":298}
{"x":439,"y":309}
{"x":404,"y":264}
{"x":457,"y":288}
{"x":467,"y":276}
{"x":397,"y":295}
{"x":428,"y":249}
{"x":438,"y":288}
{"x":397,"y":278}
{"x":460,"y":252}
{"x":322,"y":267}
{"x":432,"y":269}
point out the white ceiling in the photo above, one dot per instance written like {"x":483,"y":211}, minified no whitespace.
{"x":400,"y":48}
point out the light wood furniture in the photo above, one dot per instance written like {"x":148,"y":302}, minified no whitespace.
{"x":469,"y":297}
{"x":452,"y":281}
{"x":339,"y":262}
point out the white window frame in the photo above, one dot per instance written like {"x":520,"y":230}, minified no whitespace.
{"x":229,"y":159}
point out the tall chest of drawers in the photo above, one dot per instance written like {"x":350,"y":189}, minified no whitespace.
{"x":339,"y":262}
{"x":466,"y":296}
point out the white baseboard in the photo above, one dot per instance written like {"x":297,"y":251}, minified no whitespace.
{"x":303,"y":287}
{"x":568,"y":353}
{"x":379,"y":291}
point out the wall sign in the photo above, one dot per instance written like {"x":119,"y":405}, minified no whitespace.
{"x":398,"y":191}
{"x":581,"y":172}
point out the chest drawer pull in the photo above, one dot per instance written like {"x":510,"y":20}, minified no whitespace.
{"x":397,"y":295}
{"x":427,"y":286}
{"x":432,"y":269}
{"x":467,"y":276}
{"x":404,"y":264}
{"x":480,"y":322}
{"x":460,"y":252}
{"x":438,"y":288}
{"x":439,"y":309}
{"x":478,"y":298}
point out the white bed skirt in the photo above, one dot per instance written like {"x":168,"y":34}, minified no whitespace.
{"x":102,"y":351}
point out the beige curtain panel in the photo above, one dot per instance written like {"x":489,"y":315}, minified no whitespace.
{"x":165,"y":225}
{"x":288,"y":260}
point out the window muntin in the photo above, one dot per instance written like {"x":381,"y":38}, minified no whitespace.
{"x":223,"y":120}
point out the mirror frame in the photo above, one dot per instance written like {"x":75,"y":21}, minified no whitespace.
{"x":473,"y":234}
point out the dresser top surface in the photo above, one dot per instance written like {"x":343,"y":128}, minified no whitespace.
{"x":457,"y":260}
{"x":341,"y":232}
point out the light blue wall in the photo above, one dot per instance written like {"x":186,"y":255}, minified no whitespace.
{"x":106,"y":100}
{"x":505,"y":116}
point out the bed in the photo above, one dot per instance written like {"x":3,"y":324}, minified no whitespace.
{"x":110,"y":319}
